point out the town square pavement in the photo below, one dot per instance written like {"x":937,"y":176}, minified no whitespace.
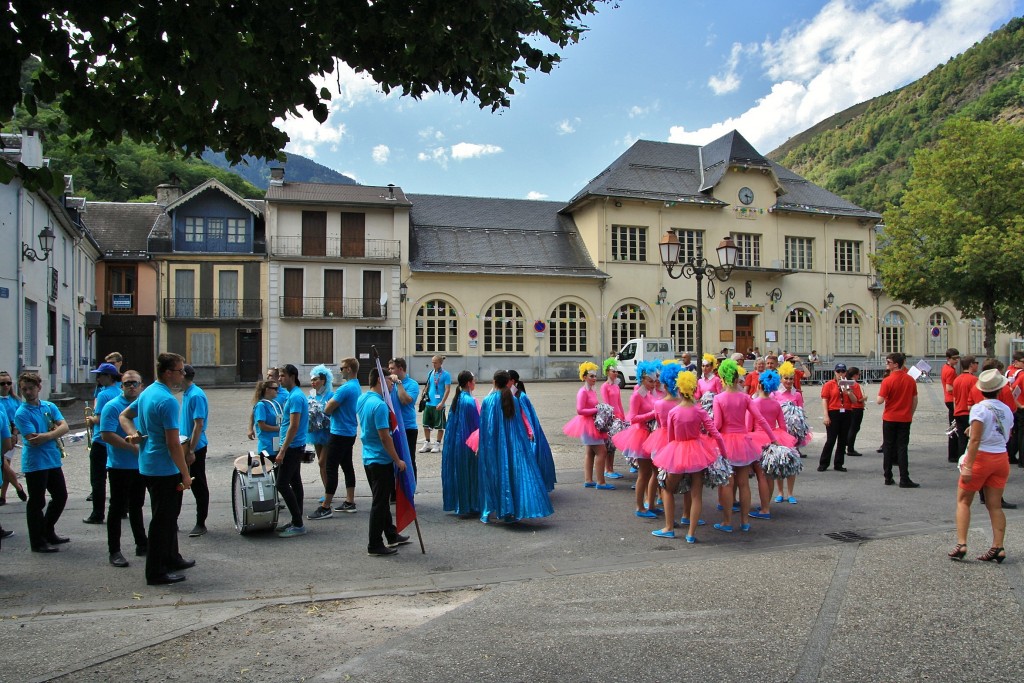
{"x":850,"y":584}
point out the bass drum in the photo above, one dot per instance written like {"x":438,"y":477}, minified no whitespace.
{"x":254,"y":501}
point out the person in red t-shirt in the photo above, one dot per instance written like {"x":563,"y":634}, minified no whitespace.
{"x":948,"y":375}
{"x":1016,"y":377}
{"x":836,"y":402}
{"x":856,"y":412}
{"x":751,"y":383}
{"x":963,"y":386}
{"x":898,"y":394}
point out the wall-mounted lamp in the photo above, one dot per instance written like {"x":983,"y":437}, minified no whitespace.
{"x":662,"y":295}
{"x":618,"y":204}
{"x":775,"y":296}
{"x":46,"y":240}
{"x":403,"y":292}
{"x":829,"y":300}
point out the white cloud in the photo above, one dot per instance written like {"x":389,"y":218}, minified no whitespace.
{"x":381,"y":153}
{"x":567,"y":127}
{"x":438,"y":154}
{"x":849,"y":52}
{"x":628,"y":140}
{"x":352,"y":175}
{"x":536,"y":195}
{"x":469,"y":150}
{"x":729,"y":81}
{"x":431,"y":133}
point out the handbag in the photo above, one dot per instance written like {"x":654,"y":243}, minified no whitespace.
{"x":422,"y":405}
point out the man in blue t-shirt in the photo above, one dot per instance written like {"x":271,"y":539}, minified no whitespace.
{"x":408,"y":391}
{"x":379,"y":462}
{"x":127,"y":490}
{"x":9,"y":404}
{"x":162,"y":466}
{"x":294,"y":425}
{"x":342,"y":410}
{"x":195,"y":417}
{"x":41,"y":425}
{"x":106,"y":389}
{"x":438,"y":384}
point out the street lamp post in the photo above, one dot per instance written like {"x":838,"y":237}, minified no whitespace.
{"x":698,"y":267}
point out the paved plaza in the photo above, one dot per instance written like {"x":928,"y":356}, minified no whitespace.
{"x":585,"y":595}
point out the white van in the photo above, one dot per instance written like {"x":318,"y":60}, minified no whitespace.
{"x":637,"y":350}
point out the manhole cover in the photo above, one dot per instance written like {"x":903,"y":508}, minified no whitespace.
{"x":846,"y":536}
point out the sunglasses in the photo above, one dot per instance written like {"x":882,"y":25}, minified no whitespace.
{"x":275,"y":387}
{"x":130,"y":383}
{"x":5,"y":384}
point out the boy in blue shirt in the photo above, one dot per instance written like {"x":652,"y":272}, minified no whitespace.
{"x":107,"y":378}
{"x":408,"y":391}
{"x":342,"y":410}
{"x":294,"y":425}
{"x":127,"y":490}
{"x":195,"y":417}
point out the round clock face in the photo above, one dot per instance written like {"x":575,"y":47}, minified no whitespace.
{"x":746,"y":195}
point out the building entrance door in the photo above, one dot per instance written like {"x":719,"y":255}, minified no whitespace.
{"x":744,"y":332}
{"x":250,"y":363}
{"x":364,"y":340}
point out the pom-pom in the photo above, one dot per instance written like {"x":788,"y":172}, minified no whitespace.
{"x":686,"y":383}
{"x":318,"y":419}
{"x":647,"y":368}
{"x":780,"y":462}
{"x":684,"y":485}
{"x":728,"y":370}
{"x":603,"y":417}
{"x":586,"y":367}
{"x":718,"y":473}
{"x":609,"y":364}
{"x":707,"y":402}
{"x":796,"y":422}
{"x":787,"y":370}
{"x":669,"y":372}
{"x":769,"y":380}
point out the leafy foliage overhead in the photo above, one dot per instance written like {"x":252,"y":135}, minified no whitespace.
{"x":187,"y":76}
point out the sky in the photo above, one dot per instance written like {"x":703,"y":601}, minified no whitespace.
{"x":685,"y":71}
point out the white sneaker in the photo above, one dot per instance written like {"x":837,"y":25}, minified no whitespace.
{"x":425,"y":448}
{"x":435,"y":448}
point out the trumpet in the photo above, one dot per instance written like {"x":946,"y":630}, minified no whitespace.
{"x":89,"y":412}
{"x":50,"y":424}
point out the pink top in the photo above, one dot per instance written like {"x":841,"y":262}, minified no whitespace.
{"x":612,"y":395}
{"x":586,"y":402}
{"x":641,"y":407}
{"x":770,"y":410}
{"x":685,"y":421}
{"x":731,"y":410}
{"x":662,"y":408}
{"x":712,"y":384}
{"x":793,"y":396}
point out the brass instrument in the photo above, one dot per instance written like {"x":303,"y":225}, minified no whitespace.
{"x":50,"y":424}
{"x":89,"y":412}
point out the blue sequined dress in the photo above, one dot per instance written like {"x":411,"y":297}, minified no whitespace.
{"x":541,"y":447}
{"x":460,"y":486}
{"x":511,"y":485}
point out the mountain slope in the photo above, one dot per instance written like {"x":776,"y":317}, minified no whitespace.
{"x":298,"y":169}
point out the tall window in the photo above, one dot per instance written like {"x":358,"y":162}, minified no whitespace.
{"x":799,"y":253}
{"x":894,"y":335}
{"x":31,"y":335}
{"x":976,"y":337}
{"x":504,"y":328}
{"x":683,"y":328}
{"x":437,"y":327}
{"x":194,"y":230}
{"x":749,"y":246}
{"x":848,"y":256}
{"x":938,"y":334}
{"x":629,"y":243}
{"x":202,"y":347}
{"x":691,"y":244}
{"x":318,"y":347}
{"x":628,"y":322}
{"x":848,"y":332}
{"x":568,"y":333}
{"x":215,"y":229}
{"x":236,"y":230}
{"x":314,"y":233}
{"x":799,"y":331}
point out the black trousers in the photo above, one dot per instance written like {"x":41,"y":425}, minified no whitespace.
{"x":339,"y":454}
{"x":953,"y":441}
{"x":289,"y":482}
{"x":200,"y":489}
{"x":98,"y":477}
{"x":1015,"y":448}
{"x":410,"y":436}
{"x":165,"y":506}
{"x":896,"y":439}
{"x":835,"y":438}
{"x":127,"y":492}
{"x":41,"y":524}
{"x":382,"y":487}
{"x":963,"y":434}
{"x":856,"y":419}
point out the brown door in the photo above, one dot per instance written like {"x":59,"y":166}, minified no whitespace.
{"x":293,"y":292}
{"x":314,"y":233}
{"x":371,"y":294}
{"x":744,"y":333}
{"x":334,"y":301}
{"x":353,"y":235}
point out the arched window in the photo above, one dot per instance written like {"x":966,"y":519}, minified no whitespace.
{"x":894,"y":336}
{"x":684,"y":329}
{"x":568,"y":332}
{"x":628,"y":322}
{"x":976,"y":337}
{"x":938,"y":334}
{"x":848,"y":332}
{"x":437,"y":327}
{"x":798,"y":335}
{"x":503,"y":328}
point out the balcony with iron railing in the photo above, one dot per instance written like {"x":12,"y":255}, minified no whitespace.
{"x":328,"y":307}
{"x":213,"y":309}
{"x":334,"y":247}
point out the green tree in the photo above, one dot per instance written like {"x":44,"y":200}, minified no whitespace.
{"x":217,"y":74}
{"x":959,"y":233}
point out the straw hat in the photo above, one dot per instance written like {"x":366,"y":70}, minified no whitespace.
{"x":991,"y":380}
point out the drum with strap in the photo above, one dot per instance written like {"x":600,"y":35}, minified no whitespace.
{"x":254,"y":494}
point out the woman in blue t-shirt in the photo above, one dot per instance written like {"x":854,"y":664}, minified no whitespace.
{"x":266,"y":416}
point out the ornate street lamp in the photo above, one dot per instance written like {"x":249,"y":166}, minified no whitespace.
{"x":46,"y":240}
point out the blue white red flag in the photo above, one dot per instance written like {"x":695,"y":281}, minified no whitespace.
{"x":405,"y":486}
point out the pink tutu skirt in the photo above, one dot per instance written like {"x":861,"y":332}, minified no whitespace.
{"x":583,"y":426}
{"x":473,"y":441}
{"x":781,"y":435}
{"x":740,"y":448}
{"x":657,"y":439}
{"x":684,"y":457}
{"x":631,"y":442}
{"x":804,"y":441}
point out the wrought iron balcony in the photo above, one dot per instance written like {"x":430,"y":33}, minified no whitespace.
{"x":335,"y":247}
{"x":328,"y":307}
{"x":213,"y":309}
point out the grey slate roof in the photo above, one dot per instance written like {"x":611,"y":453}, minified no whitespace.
{"x":324,"y":193}
{"x":495,"y":236}
{"x":687,"y":174}
{"x":121,"y":228}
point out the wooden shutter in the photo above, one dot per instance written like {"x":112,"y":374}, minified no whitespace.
{"x":371,"y":294}
{"x":314,"y":233}
{"x":293,"y":292}
{"x":318,"y":347}
{"x":334,"y":293}
{"x":353,"y":235}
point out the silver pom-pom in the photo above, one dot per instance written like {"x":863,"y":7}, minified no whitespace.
{"x":604,"y":416}
{"x":780,"y":462}
{"x":707,"y":402}
{"x":796,"y":421}
{"x":718,"y":473}
{"x":685,"y":481}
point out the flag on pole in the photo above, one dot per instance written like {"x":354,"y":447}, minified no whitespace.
{"x":405,"y":487}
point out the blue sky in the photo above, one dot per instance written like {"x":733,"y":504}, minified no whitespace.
{"x":667,"y":70}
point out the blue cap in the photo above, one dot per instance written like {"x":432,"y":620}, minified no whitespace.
{"x":840,"y":367}
{"x":106,"y":369}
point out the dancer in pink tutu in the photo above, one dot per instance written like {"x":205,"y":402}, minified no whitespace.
{"x":611,"y":393}
{"x":688,"y":451}
{"x":708,"y":382}
{"x":630,"y":442}
{"x":796,"y":425}
{"x":667,"y":374}
{"x":582,"y":427}
{"x":731,"y":409}
{"x":771,"y":411}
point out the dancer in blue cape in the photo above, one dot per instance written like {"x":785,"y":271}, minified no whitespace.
{"x":460,"y":486}
{"x":511,"y":485}
{"x":541,"y":447}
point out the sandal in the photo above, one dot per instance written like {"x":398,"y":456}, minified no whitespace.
{"x":958,"y":552}
{"x":22,"y":496}
{"x":997,"y":554}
